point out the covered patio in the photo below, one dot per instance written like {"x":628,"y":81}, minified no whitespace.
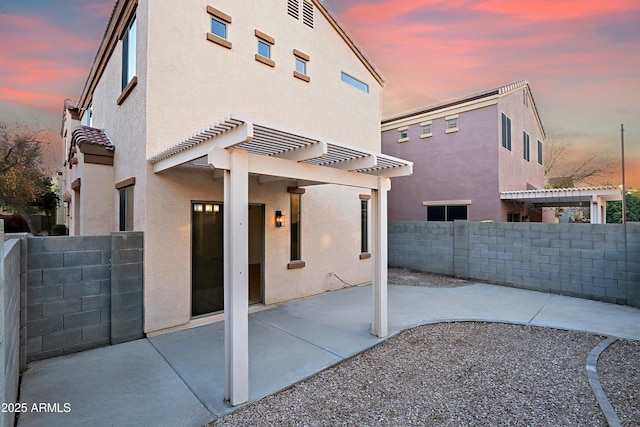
{"x":595,"y":198}
{"x":237,"y":147}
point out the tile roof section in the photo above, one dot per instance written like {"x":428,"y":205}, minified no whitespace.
{"x":85,"y":134}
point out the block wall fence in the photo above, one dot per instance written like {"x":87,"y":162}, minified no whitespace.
{"x":591,"y":261}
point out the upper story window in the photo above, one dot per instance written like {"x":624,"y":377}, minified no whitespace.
{"x":265,"y":43}
{"x":129,"y":79}
{"x":354,"y":82}
{"x":426,"y":130}
{"x":219,"y":27}
{"x":526,"y":147}
{"x":89,"y":114}
{"x":302,"y":60}
{"x":539,"y":152}
{"x":452,"y":123}
{"x":129,"y":54}
{"x":506,"y":132}
{"x":404,"y":134}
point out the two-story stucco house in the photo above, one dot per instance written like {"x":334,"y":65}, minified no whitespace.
{"x":243,"y":139}
{"x":466,"y":153}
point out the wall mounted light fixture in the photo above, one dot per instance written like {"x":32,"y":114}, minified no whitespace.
{"x":279,"y":219}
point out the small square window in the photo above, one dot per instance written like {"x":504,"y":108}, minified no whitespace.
{"x":452,"y":123}
{"x":264,"y":49}
{"x":301,"y":66}
{"x":426,"y":129}
{"x":404,"y":134}
{"x":218,"y":28}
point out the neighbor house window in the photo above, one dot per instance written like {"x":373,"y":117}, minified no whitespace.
{"x":89,"y":115}
{"x":129,"y":79}
{"x":301,"y":65}
{"x":513,"y":217}
{"x":265,"y":43}
{"x":354,"y":82}
{"x":364,"y":226}
{"x":125,"y":189}
{"x":452,"y":124}
{"x":447,"y":212}
{"x":506,"y":132}
{"x":403,"y":134}
{"x":526,"y":148}
{"x":219,"y":27}
{"x":539,"y":152}
{"x":296,"y":227}
{"x":426,"y":130}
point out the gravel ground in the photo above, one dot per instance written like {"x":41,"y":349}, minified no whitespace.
{"x":460,"y":374}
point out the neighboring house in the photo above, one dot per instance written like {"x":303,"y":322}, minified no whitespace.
{"x":466,"y":153}
{"x":243,"y":139}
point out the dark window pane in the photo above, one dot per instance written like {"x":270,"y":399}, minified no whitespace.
{"x":456,"y":212}
{"x":436,"y":213}
{"x":295,"y":227}
{"x":364,"y":243}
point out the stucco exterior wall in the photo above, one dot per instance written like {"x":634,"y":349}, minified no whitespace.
{"x":196,"y":82}
{"x":515,"y":173}
{"x":460,"y":165}
{"x":96,"y":209}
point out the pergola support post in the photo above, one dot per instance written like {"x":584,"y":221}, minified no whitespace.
{"x":380,"y":326}
{"x":236,"y":286}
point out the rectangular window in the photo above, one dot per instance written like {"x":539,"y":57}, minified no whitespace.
{"x":513,"y":217}
{"x":296,"y":229}
{"x":218,"y":28}
{"x":447,"y":212}
{"x":126,"y":209}
{"x":539,"y":152}
{"x":506,"y":132}
{"x":404,"y":134}
{"x":129,"y":54}
{"x":90,"y":115}
{"x":526,"y":148}
{"x":301,"y":66}
{"x":354,"y":82}
{"x":426,"y":130}
{"x":364,"y":226}
{"x":264,"y":49}
{"x":452,"y":123}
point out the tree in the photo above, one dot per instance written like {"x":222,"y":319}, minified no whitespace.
{"x":22,"y":180}
{"x":563,"y":167}
{"x":614,"y":209}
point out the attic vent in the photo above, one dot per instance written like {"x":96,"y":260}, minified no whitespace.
{"x":307,"y":13}
{"x":293,"y":8}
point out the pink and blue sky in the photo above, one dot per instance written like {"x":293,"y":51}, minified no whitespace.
{"x":581,"y":57}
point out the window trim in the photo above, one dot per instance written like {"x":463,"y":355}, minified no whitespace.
{"x":505,"y":133}
{"x":364,"y":226}
{"x":128,"y":42}
{"x":540,"y":161}
{"x":268,"y":41}
{"x":224,"y":19}
{"x":404,"y":134}
{"x":303,"y":58}
{"x":295,"y":232}
{"x":428,"y":134}
{"x":526,"y":146}
{"x":449,"y":120}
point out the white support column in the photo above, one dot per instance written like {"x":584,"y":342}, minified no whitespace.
{"x":596,"y":210}
{"x":236,"y":286}
{"x":379,"y":254}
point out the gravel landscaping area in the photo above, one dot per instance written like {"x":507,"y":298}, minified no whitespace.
{"x":460,"y":374}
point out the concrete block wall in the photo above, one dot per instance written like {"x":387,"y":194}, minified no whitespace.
{"x":126,"y":287}
{"x":425,"y":246}
{"x":70,"y":304}
{"x":10,"y":274}
{"x":593,"y":261}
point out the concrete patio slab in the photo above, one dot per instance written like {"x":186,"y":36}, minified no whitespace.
{"x":124,"y":385}
{"x":177,"y":378}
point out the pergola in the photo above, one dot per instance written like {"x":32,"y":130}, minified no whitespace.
{"x":239,"y":146}
{"x":594,"y":197}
